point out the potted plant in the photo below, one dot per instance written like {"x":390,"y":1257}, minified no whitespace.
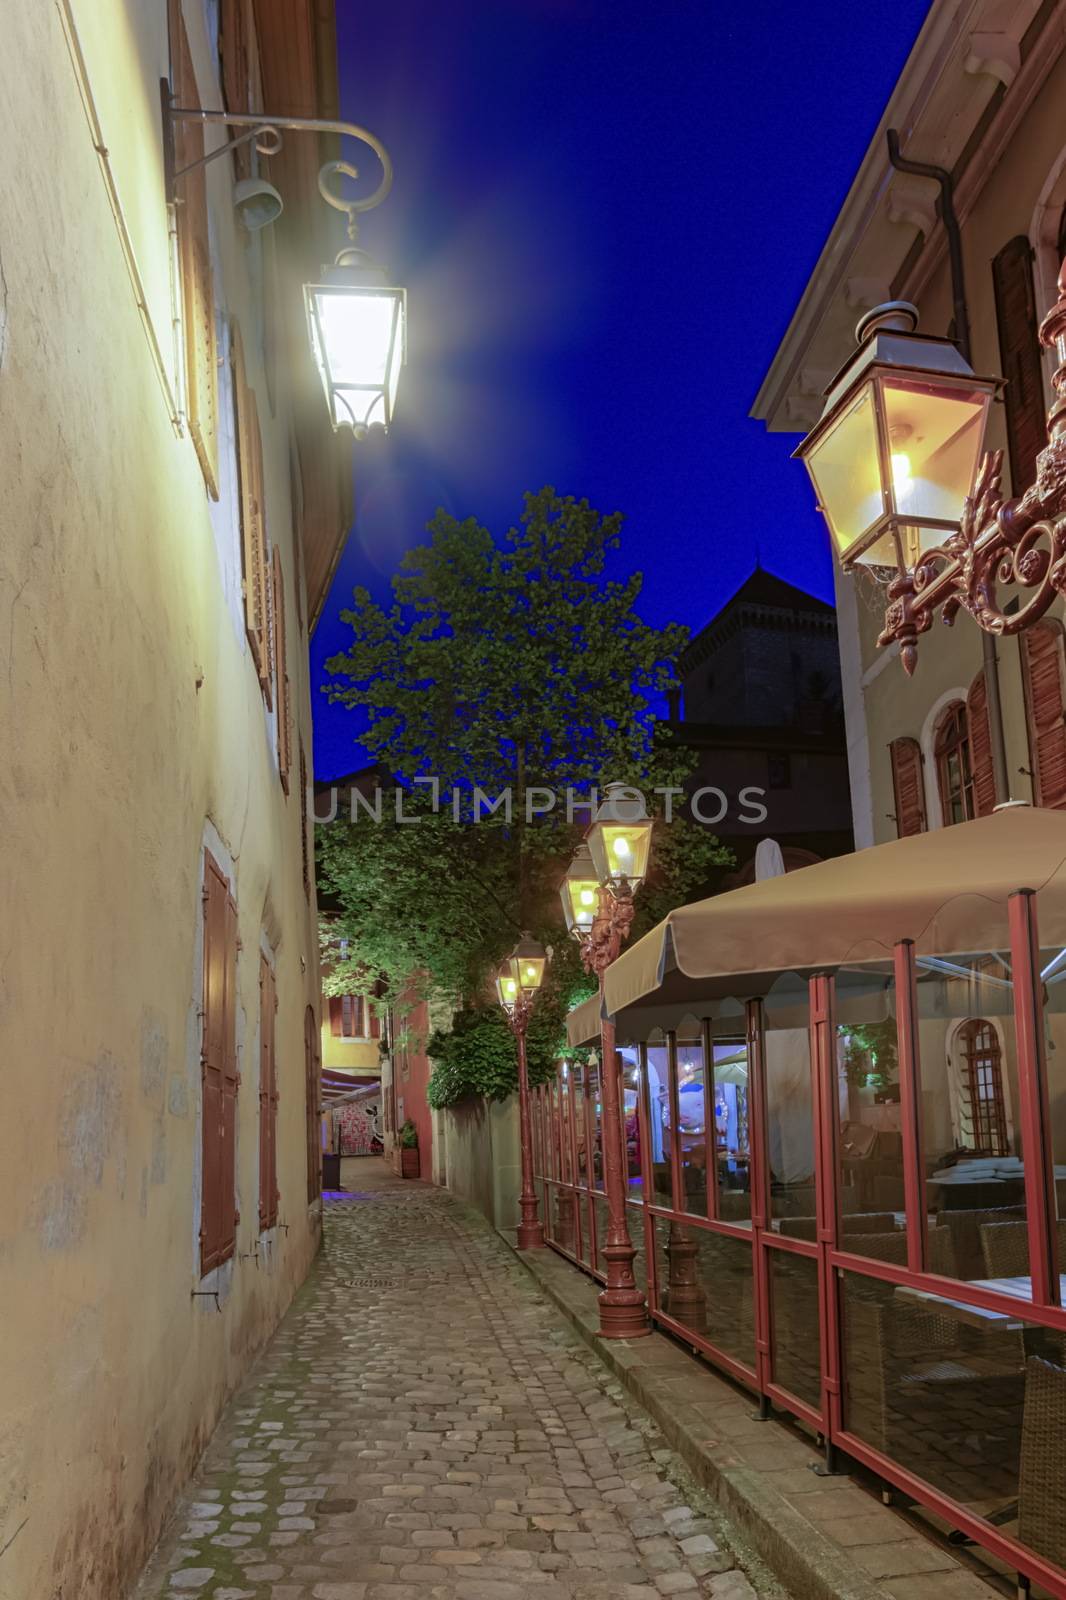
{"x":405,"y":1156}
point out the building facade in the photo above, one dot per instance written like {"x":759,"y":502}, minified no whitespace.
{"x":981,"y":96}
{"x":760,"y":710}
{"x":173,"y":503}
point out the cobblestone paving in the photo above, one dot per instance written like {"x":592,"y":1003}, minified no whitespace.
{"x":425,"y":1427}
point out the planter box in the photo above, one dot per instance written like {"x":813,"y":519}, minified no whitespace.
{"x":405,"y":1163}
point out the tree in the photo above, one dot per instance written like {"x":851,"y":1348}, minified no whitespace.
{"x":519,"y":668}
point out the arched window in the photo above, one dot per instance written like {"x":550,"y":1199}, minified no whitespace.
{"x":954,"y":767}
{"x":984,"y":1106}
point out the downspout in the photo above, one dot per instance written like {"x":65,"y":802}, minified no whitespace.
{"x":990,"y":661}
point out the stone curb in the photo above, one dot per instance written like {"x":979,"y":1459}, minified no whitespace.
{"x":805,"y":1560}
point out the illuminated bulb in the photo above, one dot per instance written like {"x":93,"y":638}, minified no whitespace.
{"x":621,"y":848}
{"x":586,"y":897}
{"x":901,"y":469}
{"x":531,"y":972}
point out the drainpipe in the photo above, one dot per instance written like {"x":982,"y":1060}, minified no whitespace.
{"x":990,"y":661}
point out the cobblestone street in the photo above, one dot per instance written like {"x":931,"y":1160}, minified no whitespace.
{"x":425,"y":1427}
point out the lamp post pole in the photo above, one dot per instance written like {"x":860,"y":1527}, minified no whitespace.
{"x":623,"y":1313}
{"x":530,"y":1227}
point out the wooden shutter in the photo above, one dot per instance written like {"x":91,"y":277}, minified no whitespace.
{"x":218,"y":1066}
{"x":305,"y":842}
{"x":268,"y":1098}
{"x":311,"y":1093}
{"x":194,"y":255}
{"x":336,"y":1016}
{"x":284,"y":715}
{"x":375,"y":1023}
{"x":1019,"y":350}
{"x":908,"y":786}
{"x":254,"y":569}
{"x":984,"y":777}
{"x":1045,"y":711}
{"x":235,"y":46}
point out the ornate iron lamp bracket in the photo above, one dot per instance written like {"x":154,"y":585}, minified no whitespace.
{"x":265,"y":132}
{"x":1016,"y":542}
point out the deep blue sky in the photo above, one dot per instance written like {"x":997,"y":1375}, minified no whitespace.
{"x":604,"y":213}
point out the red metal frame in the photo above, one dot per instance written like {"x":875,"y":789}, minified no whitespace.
{"x":830,"y":1251}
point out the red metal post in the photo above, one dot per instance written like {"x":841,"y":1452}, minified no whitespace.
{"x":710,"y":1127}
{"x":623,"y":1313}
{"x":530,"y":1229}
{"x":759,"y":1188}
{"x":1040,"y":1204}
{"x":910,"y":1105}
{"x":826,"y":1184}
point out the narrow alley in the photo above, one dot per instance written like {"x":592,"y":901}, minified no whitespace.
{"x":425,"y":1425}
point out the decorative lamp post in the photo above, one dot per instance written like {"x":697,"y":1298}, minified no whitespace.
{"x":619,"y":844}
{"x":894,"y":462}
{"x":517,"y":983}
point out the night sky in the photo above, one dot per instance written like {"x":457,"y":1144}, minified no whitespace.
{"x":604,"y":214}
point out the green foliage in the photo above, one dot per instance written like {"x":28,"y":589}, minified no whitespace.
{"x":516,"y":666}
{"x":408,"y":1136}
{"x":870,"y":1059}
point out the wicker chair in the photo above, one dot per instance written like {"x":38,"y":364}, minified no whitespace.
{"x":1042,"y":1480}
{"x":1005,"y":1247}
{"x":965,"y":1231}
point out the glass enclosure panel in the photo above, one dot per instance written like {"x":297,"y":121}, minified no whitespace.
{"x":577,"y":1090}
{"x":731,"y":1129}
{"x":974,"y":1164}
{"x":845,"y":467}
{"x":1053,"y":972}
{"x":870,"y":1144}
{"x":692,"y":1105}
{"x":794,"y":1307}
{"x":631,"y":1131}
{"x":660,"y":1131}
{"x":705,"y":1283}
{"x":566,"y":1148}
{"x":789,"y":1104}
{"x":969,"y":1400}
{"x":596,"y":1120}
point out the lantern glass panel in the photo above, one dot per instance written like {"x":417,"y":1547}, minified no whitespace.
{"x":620,"y":850}
{"x":845,"y":467}
{"x":531,"y":972}
{"x":357,"y":334}
{"x":580,"y":897}
{"x":934,"y":436}
{"x":507,"y":987}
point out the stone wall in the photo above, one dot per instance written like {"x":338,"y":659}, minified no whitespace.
{"x":482,"y":1157}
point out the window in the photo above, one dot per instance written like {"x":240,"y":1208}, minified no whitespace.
{"x":962,"y":750}
{"x":284,"y":712}
{"x":268,"y":1098}
{"x":978,"y":1042}
{"x":953,"y":767}
{"x":311,"y":1105}
{"x":194,"y":255}
{"x":908,"y":787}
{"x":346,"y":1016}
{"x":254,"y":564}
{"x":1045,"y":711}
{"x":219,"y":1080}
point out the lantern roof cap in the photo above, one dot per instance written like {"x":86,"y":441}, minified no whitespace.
{"x":621,"y":803}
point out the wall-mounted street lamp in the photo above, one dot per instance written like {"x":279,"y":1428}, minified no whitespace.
{"x":894,"y":462}
{"x":517,"y":983}
{"x":357,"y":321}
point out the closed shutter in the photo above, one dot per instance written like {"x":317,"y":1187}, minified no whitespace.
{"x":218,"y":1066}
{"x":1045,"y":707}
{"x":311,"y":1093}
{"x":305,"y":843}
{"x":194,"y":255}
{"x":336,"y":1016}
{"x":1019,"y":350}
{"x":284,"y":714}
{"x":234,"y":40}
{"x":268,"y":1098}
{"x":375,"y":1023}
{"x":254,"y":570}
{"x":908,"y":787}
{"x":984,"y":777}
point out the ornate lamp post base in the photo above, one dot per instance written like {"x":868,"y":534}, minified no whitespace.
{"x":623,"y":1312}
{"x":530,"y":1236}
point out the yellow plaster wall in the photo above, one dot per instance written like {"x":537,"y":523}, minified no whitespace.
{"x":948,"y":659}
{"x":131,"y":721}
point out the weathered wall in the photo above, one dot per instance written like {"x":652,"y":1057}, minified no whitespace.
{"x":133,"y":728}
{"x":483,"y":1157}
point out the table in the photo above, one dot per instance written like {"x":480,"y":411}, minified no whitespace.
{"x":980,"y":1316}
